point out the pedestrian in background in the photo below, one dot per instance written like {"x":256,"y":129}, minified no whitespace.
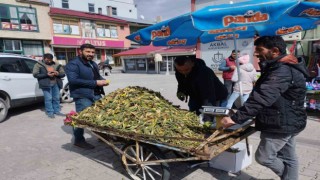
{"x":86,"y":86}
{"x":49,"y":76}
{"x":227,"y":67}
{"x":248,"y":76}
{"x":276,"y":102}
{"x":198,"y":82}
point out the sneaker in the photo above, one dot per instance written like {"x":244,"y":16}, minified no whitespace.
{"x":84,"y":145}
{"x":51,"y":116}
{"x":59,"y":114}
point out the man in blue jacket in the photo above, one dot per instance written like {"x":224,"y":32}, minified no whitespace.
{"x":86,"y":86}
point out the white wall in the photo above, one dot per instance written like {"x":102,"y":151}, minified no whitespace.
{"x":123,"y":6}
{"x":203,"y":3}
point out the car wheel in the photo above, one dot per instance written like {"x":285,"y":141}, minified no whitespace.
{"x":3,"y":110}
{"x":65,"y":94}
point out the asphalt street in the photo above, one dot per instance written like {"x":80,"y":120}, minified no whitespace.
{"x":35,"y":147}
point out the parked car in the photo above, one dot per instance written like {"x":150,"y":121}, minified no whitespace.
{"x":18,"y":87}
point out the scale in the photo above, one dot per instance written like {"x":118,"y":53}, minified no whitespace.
{"x":218,"y":113}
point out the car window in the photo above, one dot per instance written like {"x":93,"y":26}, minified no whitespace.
{"x":11,"y":65}
{"x":30,"y":64}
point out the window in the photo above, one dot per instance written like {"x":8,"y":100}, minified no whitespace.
{"x":18,"y":18}
{"x":12,"y":45}
{"x":65,"y":4}
{"x":30,"y":64}
{"x":100,"y":10}
{"x":66,"y":27}
{"x":114,"y":11}
{"x":113,"y":32}
{"x":33,"y":48}
{"x":11,"y":65}
{"x":91,"y":7}
{"x":122,"y":27}
{"x":104,"y":30}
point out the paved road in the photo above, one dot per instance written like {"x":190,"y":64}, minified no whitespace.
{"x":35,"y":147}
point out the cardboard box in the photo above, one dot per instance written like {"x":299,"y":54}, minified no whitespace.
{"x":233,"y":161}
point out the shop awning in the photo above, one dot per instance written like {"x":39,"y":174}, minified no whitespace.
{"x":163,"y":50}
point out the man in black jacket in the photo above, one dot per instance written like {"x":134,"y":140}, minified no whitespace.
{"x":277,"y":103}
{"x":198,"y":82}
{"x":49,"y":76}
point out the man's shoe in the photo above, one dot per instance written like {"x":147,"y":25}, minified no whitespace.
{"x":59,"y":114}
{"x":51,"y":116}
{"x":84,"y":145}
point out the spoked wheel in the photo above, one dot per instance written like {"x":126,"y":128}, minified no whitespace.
{"x":146,"y":153}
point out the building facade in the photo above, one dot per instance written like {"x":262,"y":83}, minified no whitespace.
{"x":121,"y":8}
{"x":73,"y":28}
{"x":25,"y":28}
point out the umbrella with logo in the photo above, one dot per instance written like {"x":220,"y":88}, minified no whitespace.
{"x":232,"y":21}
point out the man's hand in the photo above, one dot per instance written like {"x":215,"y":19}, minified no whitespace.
{"x":102,"y":83}
{"x":181,"y":96}
{"x":232,"y":67}
{"x":50,"y":73}
{"x":56,"y":73}
{"x":227,"y":122}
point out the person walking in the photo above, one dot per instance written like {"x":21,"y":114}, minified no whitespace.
{"x":276,"y":102}
{"x":227,"y":67}
{"x":248,"y":77}
{"x":198,"y":82}
{"x":86,"y":86}
{"x":49,"y":76}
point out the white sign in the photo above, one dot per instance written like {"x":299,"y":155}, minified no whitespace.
{"x":214,"y":52}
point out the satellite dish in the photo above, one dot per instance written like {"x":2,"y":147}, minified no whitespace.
{"x":141,"y":17}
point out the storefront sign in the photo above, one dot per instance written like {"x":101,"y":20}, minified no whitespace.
{"x":79,"y":41}
{"x":214,"y":52}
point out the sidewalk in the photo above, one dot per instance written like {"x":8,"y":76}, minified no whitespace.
{"x":33,"y":147}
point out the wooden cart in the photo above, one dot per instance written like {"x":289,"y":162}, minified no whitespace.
{"x":142,"y":155}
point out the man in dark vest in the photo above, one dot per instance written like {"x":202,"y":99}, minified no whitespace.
{"x":227,"y":67}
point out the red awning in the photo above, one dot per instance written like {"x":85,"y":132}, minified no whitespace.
{"x":163,"y":50}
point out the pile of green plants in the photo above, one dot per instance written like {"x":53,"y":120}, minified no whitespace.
{"x":141,"y":111}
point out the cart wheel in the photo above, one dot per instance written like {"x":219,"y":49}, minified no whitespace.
{"x":146,"y":153}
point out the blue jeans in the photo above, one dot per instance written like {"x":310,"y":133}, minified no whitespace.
{"x":81,"y":104}
{"x":277,"y":152}
{"x":229,"y":85}
{"x":234,"y":97}
{"x":51,"y":99}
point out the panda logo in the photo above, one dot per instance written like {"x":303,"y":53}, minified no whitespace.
{"x":163,"y":29}
{"x":249,"y":14}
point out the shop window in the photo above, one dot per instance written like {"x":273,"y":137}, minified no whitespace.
{"x":130,"y":64}
{"x":98,"y":55}
{"x":32,"y":48}
{"x":18,"y":18}
{"x":65,"y":4}
{"x":12,"y":45}
{"x":113,"y":32}
{"x":114,"y":11}
{"x":141,"y":65}
{"x":91,"y":7}
{"x":88,"y":29}
{"x":104,"y":30}
{"x":66,"y":27}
